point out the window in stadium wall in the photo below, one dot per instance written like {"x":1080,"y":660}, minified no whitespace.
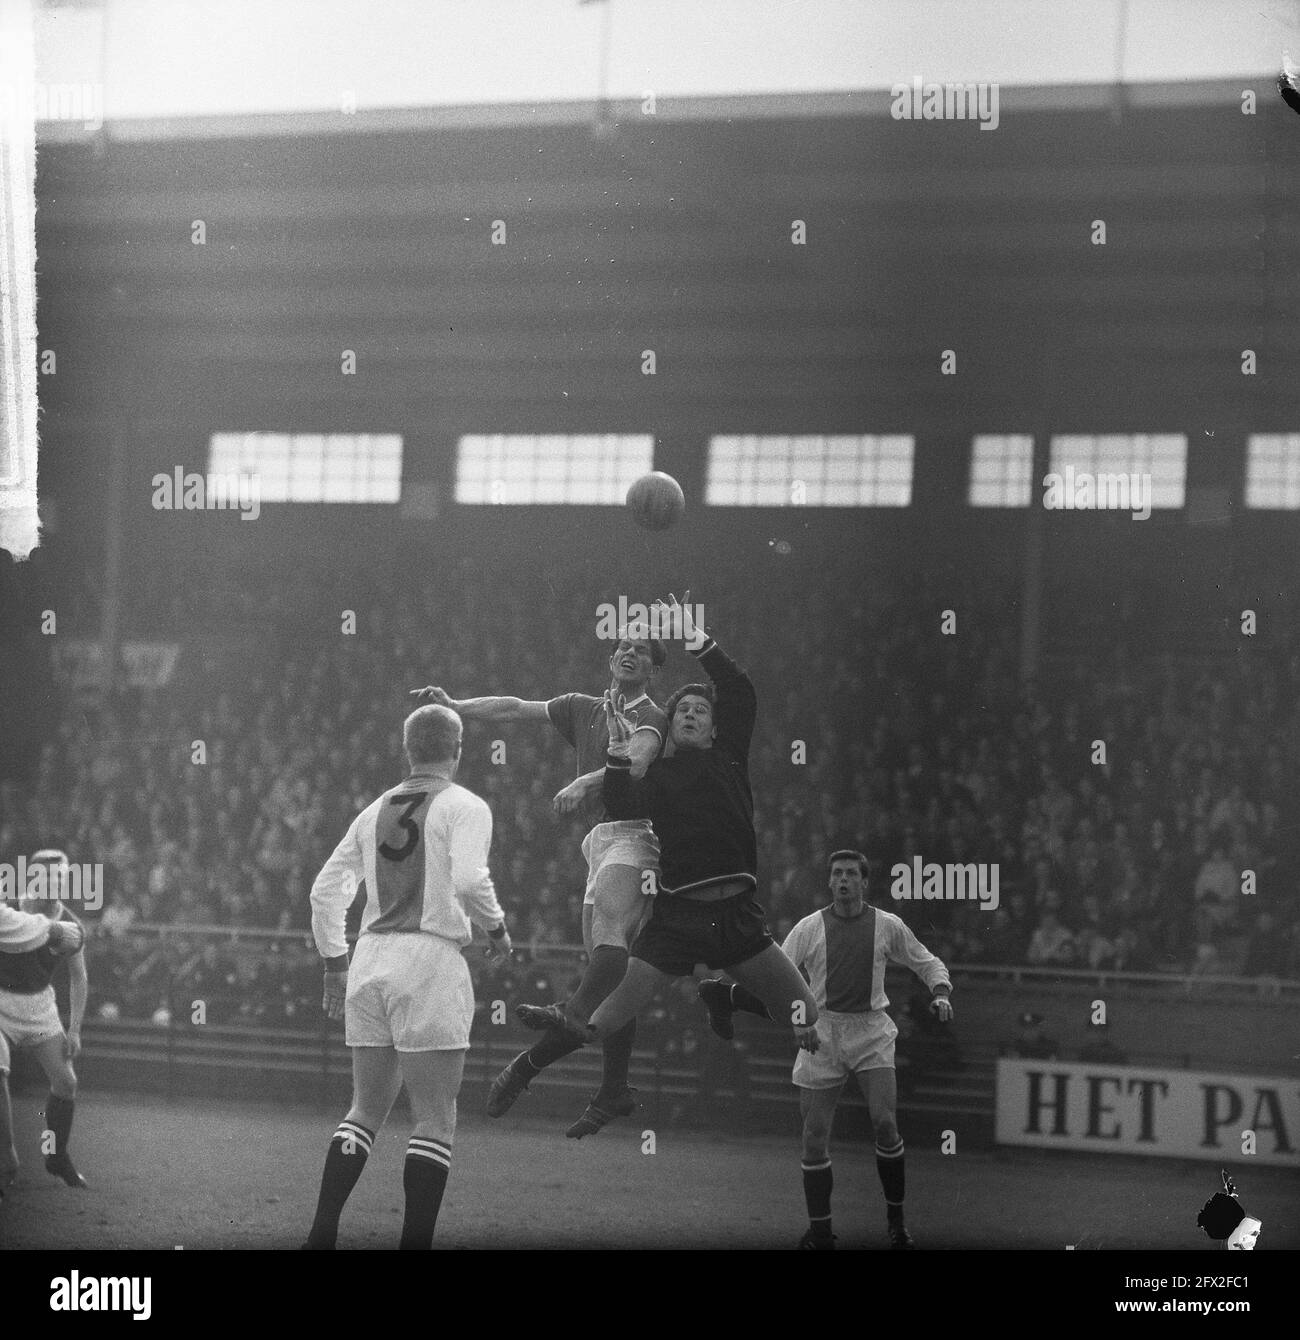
{"x":1273,"y":471}
{"x":526,"y":469}
{"x":1159,"y":457}
{"x":313,"y":467}
{"x":1001,"y":467}
{"x":812,"y":471}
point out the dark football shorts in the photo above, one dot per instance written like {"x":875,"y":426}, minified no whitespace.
{"x":682,"y":933}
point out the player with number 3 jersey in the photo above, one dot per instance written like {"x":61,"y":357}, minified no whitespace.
{"x":407,"y":1000}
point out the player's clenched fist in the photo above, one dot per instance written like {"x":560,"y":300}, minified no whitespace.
{"x":569,"y":799}
{"x":500,"y":947}
{"x":336,"y":991}
{"x":941,"y":1006}
{"x":66,"y":937}
{"x":433,"y":694}
{"x":807,"y":1037}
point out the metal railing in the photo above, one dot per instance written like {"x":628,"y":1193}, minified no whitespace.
{"x":1183,"y":984}
{"x":1020,"y":974}
{"x":308,"y":1058}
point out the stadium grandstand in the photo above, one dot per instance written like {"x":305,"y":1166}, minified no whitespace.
{"x":863,"y":414}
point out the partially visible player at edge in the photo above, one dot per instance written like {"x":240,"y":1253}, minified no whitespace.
{"x":29,"y":1018}
{"x":407,"y":1000}
{"x":843,"y":950}
{"x":617,"y":854}
{"x":699,"y":799}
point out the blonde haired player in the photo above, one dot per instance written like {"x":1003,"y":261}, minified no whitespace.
{"x":407,"y":999}
{"x":843,"y":950}
{"x":29,"y":1013}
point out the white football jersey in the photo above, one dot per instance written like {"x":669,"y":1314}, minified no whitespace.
{"x":844,"y":959}
{"x":422,"y":851}
{"x":21,"y":932}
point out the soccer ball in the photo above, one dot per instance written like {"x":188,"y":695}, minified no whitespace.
{"x":656,"y":501}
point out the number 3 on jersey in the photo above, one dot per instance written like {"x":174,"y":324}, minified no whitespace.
{"x":390,"y":823}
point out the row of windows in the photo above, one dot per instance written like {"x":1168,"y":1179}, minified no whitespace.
{"x":743,"y":471}
{"x":595,"y":468}
{"x":313,"y":467}
{"x":1001,"y":467}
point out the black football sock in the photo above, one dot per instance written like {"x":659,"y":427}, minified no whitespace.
{"x":58,"y":1118}
{"x":349,"y":1149}
{"x":605,"y":970}
{"x":742,"y":999}
{"x":889,"y":1164}
{"x":617,"y":1059}
{"x":554,"y":1044}
{"x":424,"y":1179}
{"x":817,"y":1194}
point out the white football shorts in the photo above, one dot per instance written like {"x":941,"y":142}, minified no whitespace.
{"x":849,"y":1043}
{"x":26,"y":1020}
{"x":618,"y":907}
{"x":408,"y":990}
{"x":622,"y":842}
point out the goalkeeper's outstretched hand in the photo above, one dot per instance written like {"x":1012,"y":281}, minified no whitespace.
{"x":674,"y":614}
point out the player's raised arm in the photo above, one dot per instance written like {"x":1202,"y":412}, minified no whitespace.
{"x":624,"y":797}
{"x":469,"y":841}
{"x":736,"y":704}
{"x":643,"y":749}
{"x":483,"y":709}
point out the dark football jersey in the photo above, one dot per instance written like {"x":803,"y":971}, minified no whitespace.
{"x":700,"y":800}
{"x":580,"y":718}
{"x":30,"y":973}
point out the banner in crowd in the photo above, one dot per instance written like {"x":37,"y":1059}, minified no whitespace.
{"x":1185,"y":1114}
{"x":148,"y":665}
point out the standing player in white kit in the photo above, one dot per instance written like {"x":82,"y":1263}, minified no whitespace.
{"x":843,"y":951}
{"x":407,"y":999}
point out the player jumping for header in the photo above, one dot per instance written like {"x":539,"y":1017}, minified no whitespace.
{"x":699,"y":800}
{"x":844,"y":949}
{"x":617,"y":854}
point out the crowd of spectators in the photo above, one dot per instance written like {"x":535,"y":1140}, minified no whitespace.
{"x":194,"y":980}
{"x":1123,"y":801}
